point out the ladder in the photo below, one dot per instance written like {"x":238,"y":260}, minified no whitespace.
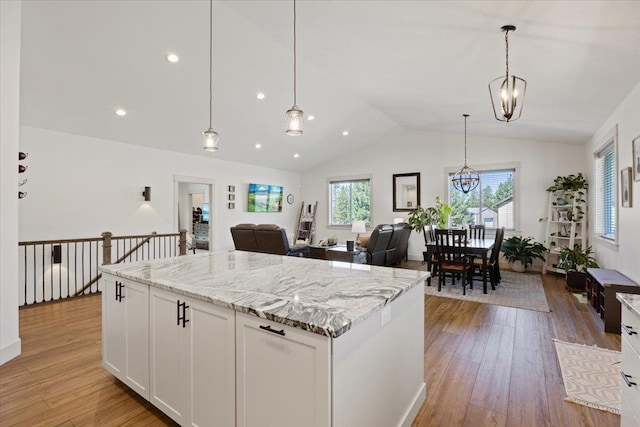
{"x":306,"y":227}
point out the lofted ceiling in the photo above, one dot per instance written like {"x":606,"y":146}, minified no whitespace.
{"x":369,"y":67}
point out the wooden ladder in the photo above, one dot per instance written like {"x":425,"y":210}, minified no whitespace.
{"x":306,"y":226}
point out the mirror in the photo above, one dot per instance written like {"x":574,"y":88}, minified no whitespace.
{"x":406,"y":191}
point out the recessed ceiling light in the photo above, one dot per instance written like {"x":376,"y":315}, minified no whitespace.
{"x":121,"y":112}
{"x":172,"y":57}
{"x":260,"y":95}
{"x":296,"y":155}
{"x":258,"y":145}
{"x":310,"y":117}
{"x":345,"y":133}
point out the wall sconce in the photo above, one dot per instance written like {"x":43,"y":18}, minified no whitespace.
{"x":56,"y":254}
{"x":22,"y":194}
{"x":147,"y":194}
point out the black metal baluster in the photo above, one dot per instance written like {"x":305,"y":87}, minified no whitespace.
{"x":35,"y":285}
{"x":43,"y":275}
{"x":75,"y":267}
{"x":82,"y":265}
{"x":25,"y":275}
{"x":67,"y":264}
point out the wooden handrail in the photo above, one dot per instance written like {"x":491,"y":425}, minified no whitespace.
{"x":88,"y":285}
{"x":135,"y":248}
{"x":54,"y":242}
{"x":145,"y":235}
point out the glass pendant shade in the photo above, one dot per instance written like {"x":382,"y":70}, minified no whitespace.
{"x":465,"y":180}
{"x":210,"y":140}
{"x":295,"y":119}
{"x":507,"y":92}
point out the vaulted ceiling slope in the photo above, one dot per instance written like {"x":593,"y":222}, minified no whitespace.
{"x":369,"y":67}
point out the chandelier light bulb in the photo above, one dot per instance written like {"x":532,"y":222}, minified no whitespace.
{"x":505,"y":91}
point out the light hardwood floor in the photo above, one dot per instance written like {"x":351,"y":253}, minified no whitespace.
{"x":484,"y":365}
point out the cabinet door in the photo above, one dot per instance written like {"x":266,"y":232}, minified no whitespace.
{"x":168,"y":356}
{"x":283,"y":377}
{"x":136,"y":300}
{"x":211,"y":367}
{"x":113,"y":328}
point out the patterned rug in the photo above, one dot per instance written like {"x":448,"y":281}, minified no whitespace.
{"x":520,"y":290}
{"x":591,"y":375}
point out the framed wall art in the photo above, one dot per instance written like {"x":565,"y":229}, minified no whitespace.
{"x":626,"y":188}
{"x":636,"y":158}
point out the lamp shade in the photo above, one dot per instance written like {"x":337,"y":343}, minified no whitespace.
{"x":358,"y":227}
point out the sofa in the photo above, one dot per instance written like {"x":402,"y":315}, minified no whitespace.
{"x":388,"y":244}
{"x":265,"y":238}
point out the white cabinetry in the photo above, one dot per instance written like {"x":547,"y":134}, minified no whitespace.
{"x":566,"y":225}
{"x":630,"y":369}
{"x":125,"y":332}
{"x":192,"y":360}
{"x":283,"y":375}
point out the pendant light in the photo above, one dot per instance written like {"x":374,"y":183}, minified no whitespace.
{"x":507,"y":92}
{"x":466,"y":179}
{"x":295,"y":115}
{"x":210,"y":136}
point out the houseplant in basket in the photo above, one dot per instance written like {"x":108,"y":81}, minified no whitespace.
{"x":575,"y":262}
{"x":521,"y":251}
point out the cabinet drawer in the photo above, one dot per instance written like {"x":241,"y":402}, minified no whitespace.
{"x":631,"y":324}
{"x":631,"y":367}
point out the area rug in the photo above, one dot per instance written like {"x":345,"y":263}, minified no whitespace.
{"x":519,"y":290}
{"x":591,"y":375}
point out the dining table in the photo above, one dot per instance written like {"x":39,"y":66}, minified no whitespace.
{"x":480,"y":248}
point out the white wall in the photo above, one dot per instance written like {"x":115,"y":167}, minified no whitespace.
{"x":10,"y":15}
{"x":81,"y":186}
{"x":626,"y":255}
{"x":432,"y":153}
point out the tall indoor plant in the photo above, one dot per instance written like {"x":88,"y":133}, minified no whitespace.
{"x":521,"y":251}
{"x":422,"y":220}
{"x":575,"y":262}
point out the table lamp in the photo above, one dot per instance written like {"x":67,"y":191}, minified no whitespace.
{"x":358,"y":227}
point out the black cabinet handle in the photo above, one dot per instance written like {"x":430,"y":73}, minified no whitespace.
{"x":182,"y":317}
{"x":119,"y":287}
{"x":626,"y":378}
{"x":270,"y":329}
{"x":628,"y":329}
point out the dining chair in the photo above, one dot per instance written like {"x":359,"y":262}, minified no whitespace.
{"x":476,"y":231}
{"x":493,"y":266}
{"x":451,"y":246}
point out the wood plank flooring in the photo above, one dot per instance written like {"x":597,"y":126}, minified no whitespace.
{"x":485,"y":365}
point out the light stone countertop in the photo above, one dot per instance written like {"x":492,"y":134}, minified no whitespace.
{"x":324,"y":297}
{"x":631,"y":301}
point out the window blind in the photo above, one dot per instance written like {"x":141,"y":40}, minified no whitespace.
{"x":606,"y":196}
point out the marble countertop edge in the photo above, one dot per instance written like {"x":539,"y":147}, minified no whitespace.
{"x":631,"y":301}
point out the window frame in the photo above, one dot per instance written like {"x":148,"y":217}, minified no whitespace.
{"x":492,"y":167}
{"x":608,"y":143}
{"x":349,"y":178}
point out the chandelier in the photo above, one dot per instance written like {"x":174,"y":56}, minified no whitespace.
{"x":466,"y":179}
{"x":507,"y":92}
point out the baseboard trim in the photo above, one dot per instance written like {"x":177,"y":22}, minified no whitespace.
{"x":417,"y":403}
{"x":10,"y":351}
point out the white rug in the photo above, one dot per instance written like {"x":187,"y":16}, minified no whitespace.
{"x":520,"y":290}
{"x":591,"y":375}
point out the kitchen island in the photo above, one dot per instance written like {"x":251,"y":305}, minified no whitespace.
{"x":249,"y":339}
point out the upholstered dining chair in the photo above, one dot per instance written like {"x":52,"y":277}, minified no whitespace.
{"x":450,"y":250}
{"x":493,"y":265}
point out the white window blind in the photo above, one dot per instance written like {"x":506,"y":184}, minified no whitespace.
{"x":606,"y":196}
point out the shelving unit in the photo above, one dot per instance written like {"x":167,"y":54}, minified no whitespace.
{"x":306,"y":227}
{"x":566,"y":225}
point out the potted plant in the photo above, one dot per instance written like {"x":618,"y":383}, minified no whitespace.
{"x":520,"y":252}
{"x":423,"y":219}
{"x":575,"y":262}
{"x":570,"y":189}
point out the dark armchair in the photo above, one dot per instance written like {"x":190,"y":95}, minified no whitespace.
{"x":272,"y":239}
{"x":244,"y":237}
{"x":378,"y":244}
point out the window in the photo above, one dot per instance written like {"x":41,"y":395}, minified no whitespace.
{"x":605,"y":196}
{"x":349,"y":200}
{"x":491,"y":203}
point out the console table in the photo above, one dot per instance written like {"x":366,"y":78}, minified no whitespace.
{"x":602,"y":286}
{"x":338,"y":253}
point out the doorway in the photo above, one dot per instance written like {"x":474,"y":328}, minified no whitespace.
{"x":194,"y":207}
